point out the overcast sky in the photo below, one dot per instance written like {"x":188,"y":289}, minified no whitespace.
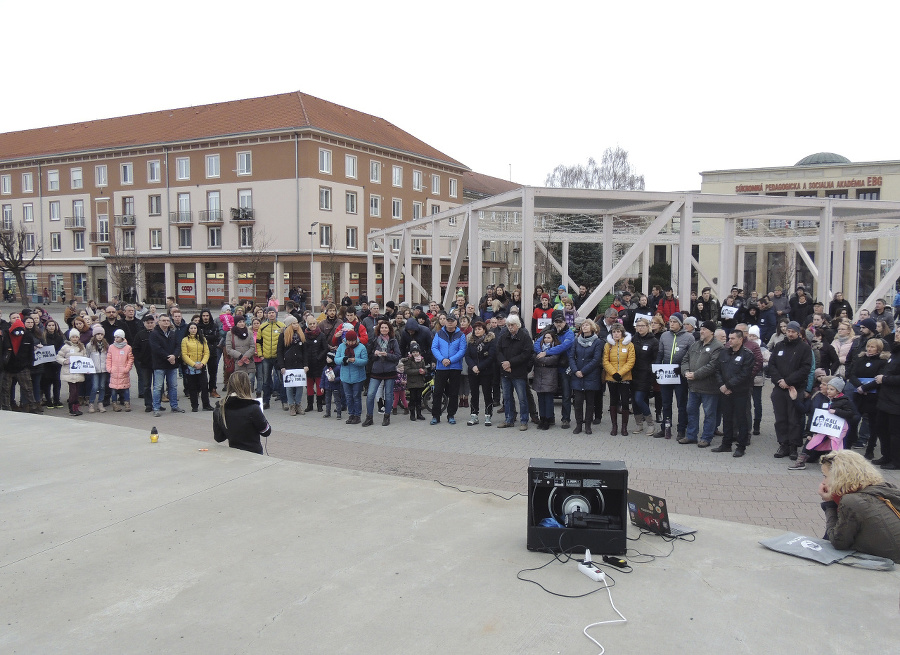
{"x":683,"y":87}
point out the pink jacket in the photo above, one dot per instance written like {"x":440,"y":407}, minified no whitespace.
{"x":118,"y":364}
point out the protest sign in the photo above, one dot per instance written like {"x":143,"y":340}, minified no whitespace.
{"x":44,"y":354}
{"x":83,"y":365}
{"x":295,"y":377}
{"x":665,"y":373}
{"x":646,"y":317}
{"x":729,"y":312}
{"x":824,"y":422}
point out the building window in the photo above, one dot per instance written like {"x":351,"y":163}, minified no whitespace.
{"x":324,"y":161}
{"x":417,"y":246}
{"x":351,"y":202}
{"x":350,"y":166}
{"x":515,"y":257}
{"x":128,"y":239}
{"x":835,"y":194}
{"x":184,"y":207}
{"x":27,"y":183}
{"x":56,"y":241}
{"x":183,"y":168}
{"x":325,"y":198}
{"x":76,"y":179}
{"x":452,"y":187}
{"x":28,"y":212}
{"x":417,"y":210}
{"x":184,"y":237}
{"x":52,"y":180}
{"x":450,"y":221}
{"x":246,"y":236}
{"x":435,"y":184}
{"x":100,"y":177}
{"x":214,"y":237}
{"x":395,"y":244}
{"x":7,"y":217}
{"x":324,"y":236}
{"x":397,"y":176}
{"x":78,"y":210}
{"x":750,"y":223}
{"x":375,"y":172}
{"x":128,"y":205}
{"x":128,"y":173}
{"x":156,"y":239}
{"x":5,"y":184}
{"x":212,"y":166}
{"x":351,"y":238}
{"x":244,"y":163}
{"x":245,"y":198}
{"x":55,"y":210}
{"x":155,"y":205}
{"x":154,"y":173}
{"x":868,"y":194}
{"x":396,"y":208}
{"x":375,"y":206}
{"x":417,"y":181}
{"x":436,"y":209}
{"x":78,"y":241}
{"x":376,"y":246}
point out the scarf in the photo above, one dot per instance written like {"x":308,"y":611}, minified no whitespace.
{"x":589,"y":341}
{"x":382,"y":343}
{"x":241,"y":334}
{"x":120,"y":345}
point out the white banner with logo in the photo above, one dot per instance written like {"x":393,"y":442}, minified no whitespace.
{"x":83,"y":365}
{"x":44,"y":354}
{"x":295,"y":377}
{"x":666,"y":373}
{"x":729,"y":312}
{"x":824,"y":422}
{"x":646,"y":317}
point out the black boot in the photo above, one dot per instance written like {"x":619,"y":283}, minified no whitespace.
{"x":419,"y":416}
{"x":320,"y":401}
{"x":368,"y":421}
{"x":309,"y":403}
{"x":386,"y":420}
{"x":756,"y":427}
{"x":412,"y":413}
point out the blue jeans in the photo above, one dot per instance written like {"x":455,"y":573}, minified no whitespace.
{"x":121,"y":395}
{"x":545,"y":404}
{"x":272,"y":382}
{"x":641,"y":406}
{"x":710,"y":402}
{"x":521,"y":387}
{"x":565,"y":388}
{"x":373,"y":394}
{"x":98,"y":384}
{"x":353,"y":396}
{"x":680,"y":392}
{"x":170,"y":377}
{"x":295,"y":395}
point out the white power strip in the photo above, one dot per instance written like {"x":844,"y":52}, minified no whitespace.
{"x":590,"y":569}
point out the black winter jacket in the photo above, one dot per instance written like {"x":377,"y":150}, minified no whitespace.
{"x":243,"y":424}
{"x":736,"y":369}
{"x":791,"y":362}
{"x":162,"y":345}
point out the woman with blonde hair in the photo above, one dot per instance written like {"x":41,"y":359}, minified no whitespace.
{"x":862,"y":511}
{"x":239,"y":418}
{"x":618,"y":360}
{"x":292,"y":355}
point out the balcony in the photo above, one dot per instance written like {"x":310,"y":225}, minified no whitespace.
{"x":211,"y":217}
{"x":99,"y":237}
{"x":75,"y":223}
{"x":125,"y":220}
{"x":242,"y":215}
{"x":181,"y":218}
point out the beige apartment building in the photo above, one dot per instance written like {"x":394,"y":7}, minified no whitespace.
{"x":870,"y":249}
{"x":219,"y":201}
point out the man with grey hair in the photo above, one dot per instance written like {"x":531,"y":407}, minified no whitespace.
{"x":514,"y":353}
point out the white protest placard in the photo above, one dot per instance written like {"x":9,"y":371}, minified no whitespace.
{"x":295,"y":377}
{"x":665,"y":373}
{"x":83,"y":365}
{"x":824,"y":422}
{"x":543,"y":323}
{"x":729,"y":312}
{"x":44,"y":354}
{"x":646,"y":317}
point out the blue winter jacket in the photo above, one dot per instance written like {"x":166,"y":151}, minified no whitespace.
{"x":588,"y":360}
{"x":449,"y":346}
{"x":352,"y":371}
{"x":566,"y":339}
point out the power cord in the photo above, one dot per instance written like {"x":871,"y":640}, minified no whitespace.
{"x":621,"y":619}
{"x":478,"y":493}
{"x":567,"y":559}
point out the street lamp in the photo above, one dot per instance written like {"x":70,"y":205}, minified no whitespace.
{"x":311,"y":263}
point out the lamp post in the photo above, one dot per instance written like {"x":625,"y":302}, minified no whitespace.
{"x":311,"y":263}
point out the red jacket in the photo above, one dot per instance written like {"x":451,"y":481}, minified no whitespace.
{"x":667,"y":307}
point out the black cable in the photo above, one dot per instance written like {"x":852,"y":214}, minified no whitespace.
{"x":478,"y":493}
{"x":553,"y":593}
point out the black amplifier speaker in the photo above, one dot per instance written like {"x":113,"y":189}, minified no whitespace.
{"x":587,"y":498}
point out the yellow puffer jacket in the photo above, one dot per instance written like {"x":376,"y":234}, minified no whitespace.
{"x":193,"y":350}
{"x":267,"y":337}
{"x":618,"y":358}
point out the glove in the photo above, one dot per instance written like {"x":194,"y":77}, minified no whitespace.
{"x":617,"y":377}
{"x":677,"y":370}
{"x":344,"y":361}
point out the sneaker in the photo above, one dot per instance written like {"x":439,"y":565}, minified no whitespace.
{"x":451,"y":420}
{"x":487,"y":420}
{"x":523,"y":427}
{"x":799,"y":465}
{"x":177,"y":410}
{"x":565,"y":425}
{"x":473,"y":420}
{"x":782,"y":451}
{"x":435,"y":420}
{"x":284,"y":406}
{"x":703,"y":444}
{"x":156,"y":412}
{"x":684,"y":440}
{"x":504,"y":424}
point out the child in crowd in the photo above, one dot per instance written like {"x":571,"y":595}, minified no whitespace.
{"x":416,"y":368}
{"x":73,"y":348}
{"x":830,"y":398}
{"x":545,"y":377}
{"x":96,"y":350}
{"x":119,"y":362}
{"x":331,"y":386}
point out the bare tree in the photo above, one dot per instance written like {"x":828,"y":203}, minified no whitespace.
{"x":613,"y":172}
{"x":124,"y":268}
{"x":256,"y":257}
{"x":15,"y":257}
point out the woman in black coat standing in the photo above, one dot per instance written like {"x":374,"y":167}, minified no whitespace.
{"x":239,"y":418}
{"x":316,"y":352}
{"x":646,"y":347}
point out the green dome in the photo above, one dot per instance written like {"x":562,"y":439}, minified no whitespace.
{"x":821,"y":158}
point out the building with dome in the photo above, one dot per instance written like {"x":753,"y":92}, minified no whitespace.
{"x":779,"y":256}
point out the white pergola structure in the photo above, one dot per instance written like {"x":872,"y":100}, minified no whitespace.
{"x":637,"y":220}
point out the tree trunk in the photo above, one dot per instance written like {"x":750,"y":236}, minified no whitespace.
{"x":20,"y":281}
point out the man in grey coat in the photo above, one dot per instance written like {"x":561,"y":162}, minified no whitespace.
{"x":700,"y":367}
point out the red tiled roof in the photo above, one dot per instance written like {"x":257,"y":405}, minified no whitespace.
{"x":285,"y":111}
{"x":486,"y":185}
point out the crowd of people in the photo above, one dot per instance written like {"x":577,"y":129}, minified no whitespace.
{"x":703,"y":365}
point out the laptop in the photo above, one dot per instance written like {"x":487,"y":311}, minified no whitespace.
{"x":651,"y":513}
